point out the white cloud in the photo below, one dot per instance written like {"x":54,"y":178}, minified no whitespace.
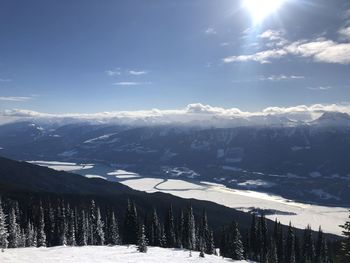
{"x":210,"y":31}
{"x":195,"y":113}
{"x":320,"y":88}
{"x":113,"y":72}
{"x":320,"y":50}
{"x":130,"y":83}
{"x":15,"y":99}
{"x":281,"y":77}
{"x":261,"y":57}
{"x":271,"y":34}
{"x":344,"y":32}
{"x":137,"y":73}
{"x":224,"y":44}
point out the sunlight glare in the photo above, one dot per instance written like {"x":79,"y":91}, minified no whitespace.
{"x":260,"y":9}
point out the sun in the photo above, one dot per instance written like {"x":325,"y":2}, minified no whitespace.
{"x":260,"y":9}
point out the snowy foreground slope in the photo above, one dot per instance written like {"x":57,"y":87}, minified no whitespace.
{"x":104,"y":254}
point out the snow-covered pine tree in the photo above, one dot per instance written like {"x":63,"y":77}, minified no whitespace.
{"x":236,"y":245}
{"x":99,"y":234}
{"x":50,"y":226}
{"x":142,"y":240}
{"x":210,"y":244}
{"x":189,"y":229}
{"x":61,"y":224}
{"x":41,"y":236}
{"x":130,"y":232}
{"x":30,"y":235}
{"x":113,"y":231}
{"x":13,"y":229}
{"x":205,"y":233}
{"x":346,"y":242}
{"x":82,"y":229}
{"x":3,"y":228}
{"x":290,"y":245}
{"x":71,"y":241}
{"x":92,"y":223}
{"x":169,"y":228}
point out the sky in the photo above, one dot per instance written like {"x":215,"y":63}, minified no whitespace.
{"x":88,"y":56}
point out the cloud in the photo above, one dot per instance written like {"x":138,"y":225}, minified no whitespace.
{"x":210,"y":31}
{"x":261,"y":57}
{"x":224,"y":44}
{"x":137,"y":73}
{"x":274,"y":37}
{"x":192,"y":114}
{"x":130,"y":83}
{"x":320,"y":88}
{"x":113,"y":72}
{"x":280,"y":77}
{"x":344,"y":32}
{"x":5,"y":80}
{"x":15,"y":99}
{"x":320,"y":50}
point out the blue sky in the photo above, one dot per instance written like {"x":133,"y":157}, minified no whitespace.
{"x":93,"y":56}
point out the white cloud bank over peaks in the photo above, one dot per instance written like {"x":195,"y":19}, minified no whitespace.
{"x":195,"y":114}
{"x":318,"y":50}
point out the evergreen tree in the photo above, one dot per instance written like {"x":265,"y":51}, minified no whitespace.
{"x":71,"y":229}
{"x":3,"y":228}
{"x":113,"y":231}
{"x":30,"y":235}
{"x":262,"y":238}
{"x":130,"y":231}
{"x":272,"y":252}
{"x":346,"y":242}
{"x":236,"y":245}
{"x":290,"y":243}
{"x":13,"y":229}
{"x":50,"y":226}
{"x":99,"y":234}
{"x":205,"y":234}
{"x":308,"y":251}
{"x":253,"y":239}
{"x":279,"y":243}
{"x":142,"y":240}
{"x":154,"y":229}
{"x":41,"y":236}
{"x":82,"y":233}
{"x":169,"y":228}
{"x":297,"y":249}
{"x":180,"y":237}
{"x":92,"y":223}
{"x":189,"y":230}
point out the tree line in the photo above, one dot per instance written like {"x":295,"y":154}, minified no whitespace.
{"x":56,"y":223}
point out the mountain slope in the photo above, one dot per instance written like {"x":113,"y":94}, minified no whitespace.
{"x":92,"y":254}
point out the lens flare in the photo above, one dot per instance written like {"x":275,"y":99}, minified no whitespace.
{"x":260,"y":9}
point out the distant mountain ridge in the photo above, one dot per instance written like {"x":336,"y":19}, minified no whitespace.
{"x":314,"y":155}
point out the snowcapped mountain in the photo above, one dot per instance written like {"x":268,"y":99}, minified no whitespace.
{"x":282,"y":154}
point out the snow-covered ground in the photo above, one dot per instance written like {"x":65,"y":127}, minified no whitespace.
{"x":299,"y":214}
{"x":62,"y":166}
{"x":104,"y":254}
